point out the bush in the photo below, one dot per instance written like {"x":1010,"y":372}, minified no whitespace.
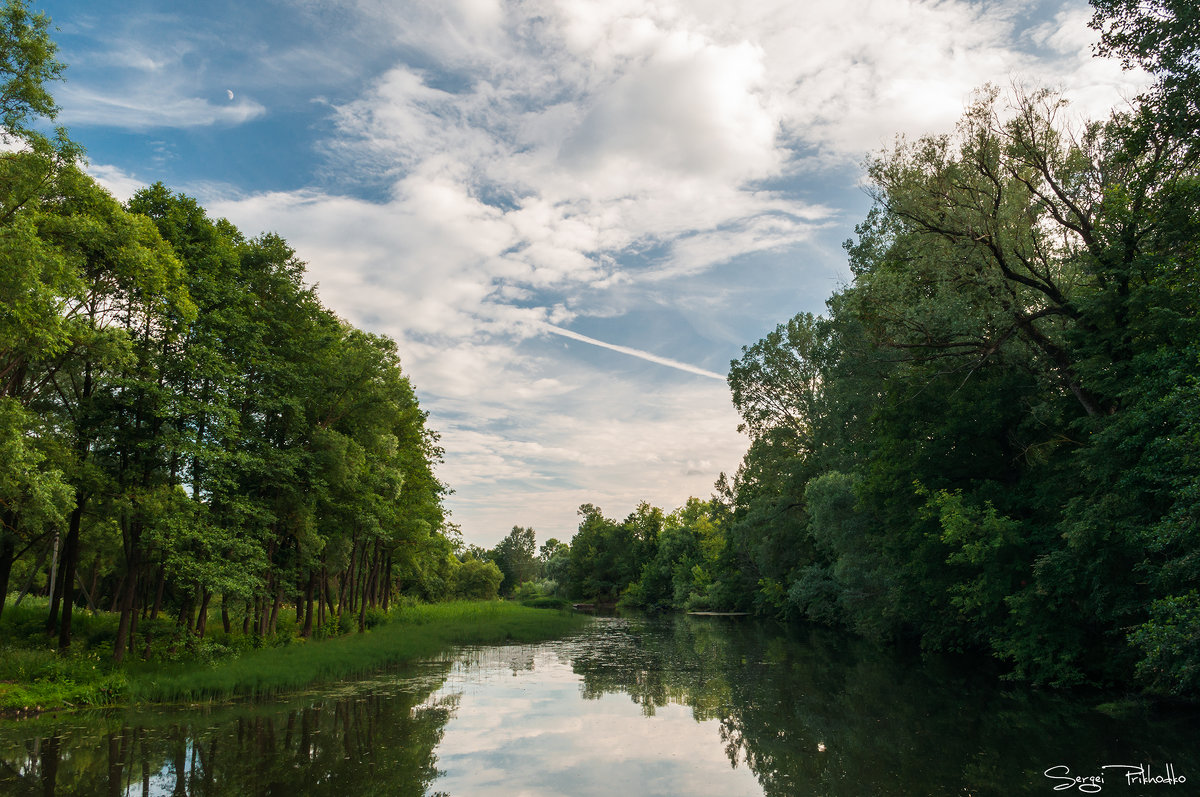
{"x":476,"y":580}
{"x":1170,"y":658}
{"x":529,"y":590}
{"x":546,"y":602}
{"x":373,"y":617}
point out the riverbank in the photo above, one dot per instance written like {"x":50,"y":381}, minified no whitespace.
{"x":36,"y":679}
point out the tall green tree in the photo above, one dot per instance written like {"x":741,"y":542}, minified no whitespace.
{"x":516,"y":557}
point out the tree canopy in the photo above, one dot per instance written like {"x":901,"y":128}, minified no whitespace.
{"x":181,"y":418}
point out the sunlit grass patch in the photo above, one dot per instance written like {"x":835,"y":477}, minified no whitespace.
{"x":411,"y":632}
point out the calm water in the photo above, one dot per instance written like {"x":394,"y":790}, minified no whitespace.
{"x":675,"y":706}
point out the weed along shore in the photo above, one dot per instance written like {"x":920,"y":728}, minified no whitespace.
{"x":35,"y":679}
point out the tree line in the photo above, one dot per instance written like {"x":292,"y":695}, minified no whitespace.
{"x":183,"y":424}
{"x":989,"y":440}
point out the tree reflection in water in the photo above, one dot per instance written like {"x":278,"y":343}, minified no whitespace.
{"x":814,"y":711}
{"x":806,"y":711}
{"x":378,"y":739}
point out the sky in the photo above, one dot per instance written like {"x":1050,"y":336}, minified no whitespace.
{"x":570,"y":214}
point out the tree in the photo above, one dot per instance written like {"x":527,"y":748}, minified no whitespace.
{"x":34,"y":279}
{"x":1162,"y":37}
{"x":477,"y":580}
{"x":776,"y":384}
{"x":27,"y":64}
{"x":515,"y":557}
{"x":550,"y":548}
{"x":102,"y":391}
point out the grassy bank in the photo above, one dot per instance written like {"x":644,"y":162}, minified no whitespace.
{"x":36,"y":679}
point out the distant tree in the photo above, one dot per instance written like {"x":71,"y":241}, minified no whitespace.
{"x":551,"y":547}
{"x":515,"y":556}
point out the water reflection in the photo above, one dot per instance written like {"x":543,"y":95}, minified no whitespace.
{"x":376,"y":737}
{"x":679,"y":705}
{"x":817,"y":712}
{"x":528,"y":725}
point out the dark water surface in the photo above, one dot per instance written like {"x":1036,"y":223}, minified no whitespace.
{"x":673,"y":706}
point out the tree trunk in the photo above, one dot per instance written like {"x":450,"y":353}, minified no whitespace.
{"x":117,"y":594}
{"x":127,"y":624}
{"x":260,"y":616}
{"x":306,"y":631}
{"x":8,"y":549}
{"x":322,"y":597}
{"x":32,"y":577}
{"x":160,"y":585}
{"x":87,"y":593}
{"x":362,"y":605}
{"x":52,"y":589}
{"x":346,"y":588}
{"x":372,"y":590}
{"x":275,"y":609}
{"x":187,"y":618}
{"x":202,"y":620}
{"x":70,"y":561}
{"x":95,"y":580}
{"x":387,"y":583}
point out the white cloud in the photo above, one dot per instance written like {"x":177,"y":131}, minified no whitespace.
{"x":549,"y":161}
{"x":145,"y":108}
{"x":116,"y":181}
{"x":604,"y":745}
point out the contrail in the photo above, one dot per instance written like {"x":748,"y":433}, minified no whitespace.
{"x":642,"y":355}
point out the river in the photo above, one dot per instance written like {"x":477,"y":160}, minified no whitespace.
{"x":631,"y":706}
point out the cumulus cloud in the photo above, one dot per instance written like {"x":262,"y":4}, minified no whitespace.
{"x":550,"y":162}
{"x":116,"y":181}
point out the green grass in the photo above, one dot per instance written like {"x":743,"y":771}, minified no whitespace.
{"x":33,"y":680}
{"x":410,"y":633}
{"x":37,"y":678}
{"x":34,"y":677}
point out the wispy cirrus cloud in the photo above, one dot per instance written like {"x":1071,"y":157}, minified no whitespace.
{"x":150,"y":108}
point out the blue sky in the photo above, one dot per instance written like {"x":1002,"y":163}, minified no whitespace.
{"x":571,"y":214}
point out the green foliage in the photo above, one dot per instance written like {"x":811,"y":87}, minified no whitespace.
{"x":516,"y":557}
{"x":178,"y":405}
{"x":27,"y":64}
{"x":477,"y":580}
{"x":1162,"y":37}
{"x":1170,"y":657}
{"x":538,"y":588}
